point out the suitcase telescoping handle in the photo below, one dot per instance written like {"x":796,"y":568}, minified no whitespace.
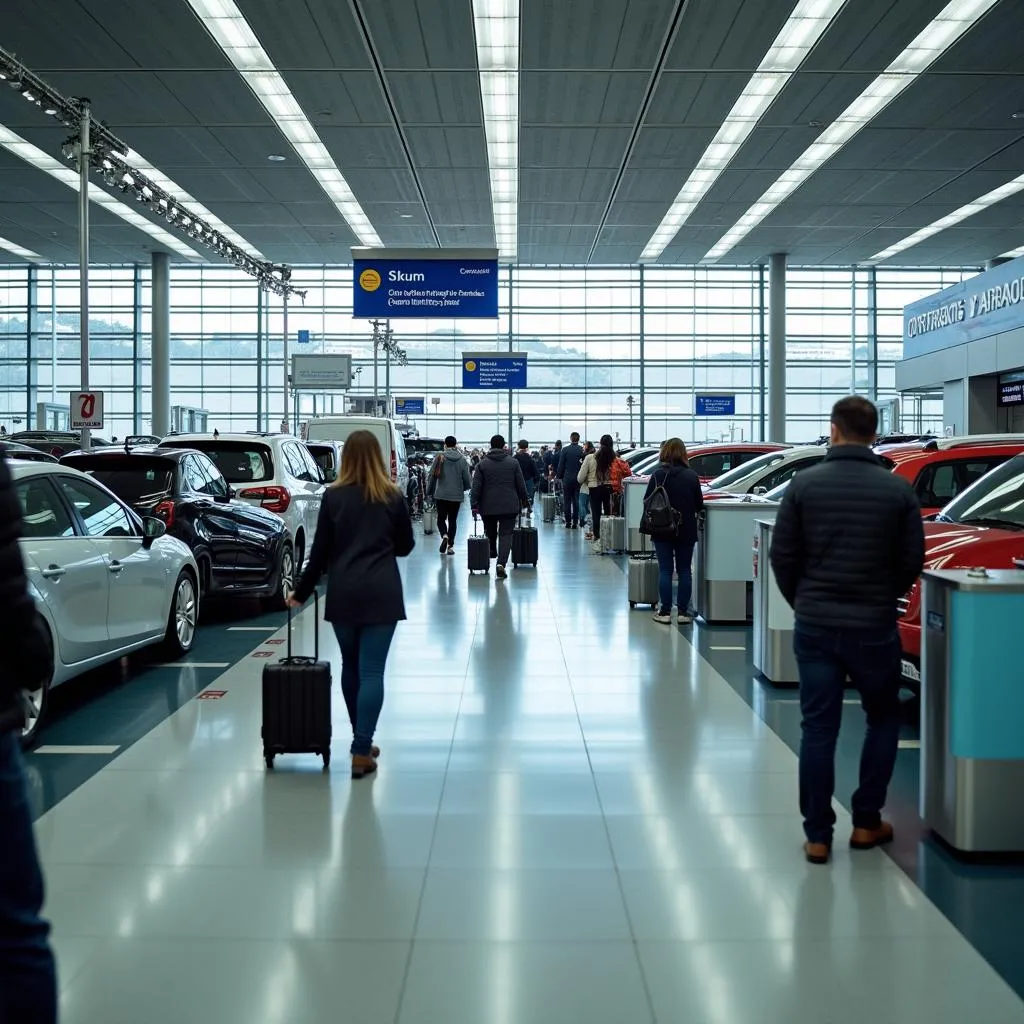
{"x":316,"y":628}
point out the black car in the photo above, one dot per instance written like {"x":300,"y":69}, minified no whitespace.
{"x":423,"y":448}
{"x":55,"y":442}
{"x":241,"y":550}
{"x":22,"y":452}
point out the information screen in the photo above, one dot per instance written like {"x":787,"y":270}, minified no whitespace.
{"x":1011,"y":388}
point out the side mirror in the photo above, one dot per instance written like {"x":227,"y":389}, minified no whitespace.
{"x":759,"y":490}
{"x":151,"y":529}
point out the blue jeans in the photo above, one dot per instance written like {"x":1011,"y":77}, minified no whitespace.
{"x":674,"y":556}
{"x":531,"y":490}
{"x":364,"y":653}
{"x":584,"y":500}
{"x":826,"y":658}
{"x":28,"y":974}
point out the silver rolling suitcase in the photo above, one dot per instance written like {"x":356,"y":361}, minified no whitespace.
{"x":643,"y":582}
{"x":547,"y":508}
{"x":429,"y":520}
{"x":639,"y":543}
{"x":613,"y":533}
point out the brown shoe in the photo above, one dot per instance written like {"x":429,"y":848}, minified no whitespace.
{"x":362,"y":765}
{"x":869,"y":838}
{"x":817,"y":853}
{"x":375,"y":752}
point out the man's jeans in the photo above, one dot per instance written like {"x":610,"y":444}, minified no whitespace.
{"x":28,"y":976}
{"x":498,"y":530}
{"x":570,"y":498}
{"x":870,"y":659}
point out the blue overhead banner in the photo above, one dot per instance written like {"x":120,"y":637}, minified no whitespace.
{"x":716,"y":405}
{"x":494,"y":370}
{"x":411,"y":406}
{"x":438,"y":283}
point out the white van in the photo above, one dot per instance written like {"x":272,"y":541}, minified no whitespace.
{"x":392,"y":444}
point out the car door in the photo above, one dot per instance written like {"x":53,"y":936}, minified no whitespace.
{"x":214,"y":525}
{"x":139,"y":588}
{"x":65,"y":568}
{"x":308,"y":486}
{"x":787,"y":471}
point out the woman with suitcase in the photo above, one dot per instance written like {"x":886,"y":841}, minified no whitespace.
{"x":363,"y":529}
{"x":596,"y":475}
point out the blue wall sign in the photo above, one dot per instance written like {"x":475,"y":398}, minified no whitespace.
{"x":716,"y":405}
{"x":303,"y":337}
{"x":411,"y":406}
{"x":438,"y":288}
{"x":987,"y":304}
{"x":494,"y":369}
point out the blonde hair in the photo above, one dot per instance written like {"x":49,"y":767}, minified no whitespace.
{"x":362,"y":465}
{"x":673,"y":452}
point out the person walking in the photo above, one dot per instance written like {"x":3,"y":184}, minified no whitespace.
{"x":569,"y":462}
{"x":551,"y":459}
{"x":530,"y":475}
{"x":674,"y":547}
{"x":499,"y":494}
{"x":848,"y":543}
{"x":28,"y":973}
{"x":363,"y":529}
{"x":449,"y":481}
{"x":596,"y":475}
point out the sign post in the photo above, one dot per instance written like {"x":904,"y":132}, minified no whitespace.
{"x":86,"y":410}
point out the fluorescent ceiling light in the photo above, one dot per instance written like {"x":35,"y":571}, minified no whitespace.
{"x":795,"y":40}
{"x":37,"y":158}
{"x":930,"y":43}
{"x":161,"y":179}
{"x":17,"y":250}
{"x":958,"y":215}
{"x":497,"y":50}
{"x":235,"y":37}
{"x":1013,"y":253}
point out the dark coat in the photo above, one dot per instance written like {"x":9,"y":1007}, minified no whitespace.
{"x":358,"y":545}
{"x":684,"y":494}
{"x":27,"y":658}
{"x":498,"y":485}
{"x":569,"y":462}
{"x":527,"y":465}
{"x":848,"y":541}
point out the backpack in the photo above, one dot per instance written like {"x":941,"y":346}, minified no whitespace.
{"x":659,"y":520}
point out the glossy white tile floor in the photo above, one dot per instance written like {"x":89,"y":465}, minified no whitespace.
{"x":576,"y":819}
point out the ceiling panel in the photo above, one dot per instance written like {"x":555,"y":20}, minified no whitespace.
{"x":412,"y":34}
{"x":581,"y":98}
{"x":300,"y":34}
{"x":726,"y":34}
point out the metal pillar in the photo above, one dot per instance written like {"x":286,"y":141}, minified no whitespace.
{"x":285,"y":429}
{"x":259,"y":358}
{"x":160,"y":398}
{"x":777,"y":347}
{"x":84,"y":152}
{"x":137,"y":351}
{"x":376,"y":343}
{"x":853,"y":330}
{"x":509,"y":436}
{"x":761,"y":410}
{"x":873,"y":334}
{"x":53,"y":334}
{"x":31,"y":329}
{"x":643,"y":393}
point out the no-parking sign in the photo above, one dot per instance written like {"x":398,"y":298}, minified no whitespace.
{"x":86,"y":410}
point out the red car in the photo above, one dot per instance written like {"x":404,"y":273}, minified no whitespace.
{"x":982,"y":526}
{"x":712,"y":460}
{"x":940,"y":469}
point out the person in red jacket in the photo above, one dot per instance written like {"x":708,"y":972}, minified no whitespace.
{"x":28,"y":975}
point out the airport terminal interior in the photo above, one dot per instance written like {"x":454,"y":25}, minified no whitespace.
{"x":233,"y":232}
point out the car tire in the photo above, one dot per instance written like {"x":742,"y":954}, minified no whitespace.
{"x":39,"y":701}
{"x":285,"y":578}
{"x":182,"y":618}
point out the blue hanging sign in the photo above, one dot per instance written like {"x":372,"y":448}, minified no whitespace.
{"x":303,"y":337}
{"x":716,"y":405}
{"x":432,"y":283}
{"x":411,"y":406}
{"x":494,"y":370}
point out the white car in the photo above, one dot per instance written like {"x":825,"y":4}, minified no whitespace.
{"x":767,"y":471}
{"x":275,"y":471}
{"x":105,"y":581}
{"x":389,"y":437}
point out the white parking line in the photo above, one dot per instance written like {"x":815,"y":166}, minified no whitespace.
{"x":728,"y":648}
{"x":54,"y":748}
{"x":910,"y":744}
{"x":252,"y":629}
{"x":193,"y":664}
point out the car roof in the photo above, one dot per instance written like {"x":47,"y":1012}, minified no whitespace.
{"x":20,"y":469}
{"x":239,"y":437}
{"x":149,"y":450}
{"x":925,"y":451}
{"x":737,"y":446}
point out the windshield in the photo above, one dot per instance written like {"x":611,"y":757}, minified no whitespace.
{"x":998,"y":497}
{"x":423,"y":446}
{"x":746,"y":469}
{"x":240,"y":462}
{"x":141,"y":483}
{"x":776,"y":493}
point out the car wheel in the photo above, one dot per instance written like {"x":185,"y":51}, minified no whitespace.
{"x":36,"y":704}
{"x":285,"y":579}
{"x":182,"y":619}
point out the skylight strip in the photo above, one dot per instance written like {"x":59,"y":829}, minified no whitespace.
{"x":161,"y":179}
{"x":942,"y":32}
{"x":233,"y":34}
{"x":797,"y":37}
{"x":33,"y":155}
{"x":950,"y":219}
{"x":497,"y":46}
{"x":17,"y":250}
{"x":1013,"y":253}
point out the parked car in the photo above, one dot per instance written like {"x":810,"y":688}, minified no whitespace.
{"x":327,"y":455}
{"x":240,"y":550}
{"x":764,"y":472}
{"x":22,"y":452}
{"x":55,"y":442}
{"x":423,"y":447}
{"x":105,"y":580}
{"x":273,"y":471}
{"x":709,"y":461}
{"x":392,"y":443}
{"x":981,"y":526}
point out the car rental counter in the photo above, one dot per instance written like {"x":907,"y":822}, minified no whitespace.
{"x":972,"y":708}
{"x":723,"y":565}
{"x":773,"y":617}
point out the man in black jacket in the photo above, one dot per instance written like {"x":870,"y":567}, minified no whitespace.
{"x":569,"y":462}
{"x":531,"y":475}
{"x":498,"y":494}
{"x":28,"y":979}
{"x":848,"y":543}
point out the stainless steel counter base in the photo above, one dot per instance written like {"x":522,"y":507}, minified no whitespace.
{"x":722,"y":600}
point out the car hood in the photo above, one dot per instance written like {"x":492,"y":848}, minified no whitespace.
{"x":745,"y":499}
{"x":956,"y":546}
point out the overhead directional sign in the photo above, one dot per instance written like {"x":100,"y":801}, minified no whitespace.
{"x":433,"y":283}
{"x":321,"y":373}
{"x":494,"y":369}
{"x":411,"y":406}
{"x":715,"y":405}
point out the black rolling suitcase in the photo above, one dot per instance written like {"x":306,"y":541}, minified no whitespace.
{"x":478,"y":552}
{"x":525,"y":547}
{"x":297,"y":702}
